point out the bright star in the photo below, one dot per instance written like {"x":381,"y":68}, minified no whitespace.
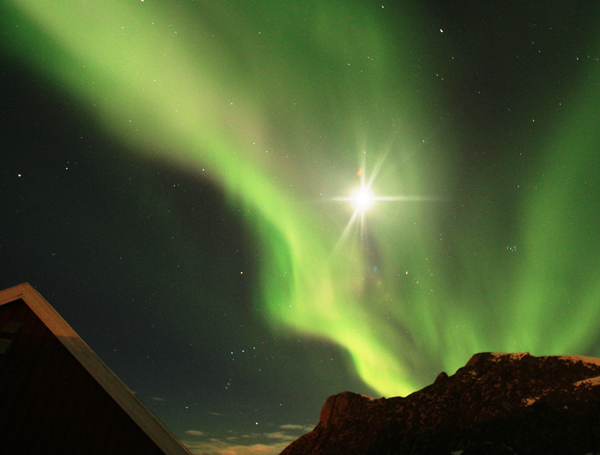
{"x":362,"y":198}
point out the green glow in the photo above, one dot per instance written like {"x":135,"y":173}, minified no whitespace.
{"x":277,"y":102}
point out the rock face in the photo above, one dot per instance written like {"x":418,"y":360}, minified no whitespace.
{"x":496,"y":404}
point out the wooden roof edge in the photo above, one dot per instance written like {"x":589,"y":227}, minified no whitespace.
{"x":12,"y":294}
{"x":131,"y":404}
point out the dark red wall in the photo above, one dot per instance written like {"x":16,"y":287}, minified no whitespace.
{"x":49,"y":404}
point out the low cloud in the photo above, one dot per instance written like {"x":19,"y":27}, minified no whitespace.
{"x":280,"y":435}
{"x":254,"y":449}
{"x":302,"y":428}
{"x":291,"y":427}
{"x":280,"y":440}
{"x":217,"y":447}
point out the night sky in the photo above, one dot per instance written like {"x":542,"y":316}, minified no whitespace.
{"x":176,"y":180}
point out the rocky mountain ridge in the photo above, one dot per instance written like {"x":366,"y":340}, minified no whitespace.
{"x":496,"y":404}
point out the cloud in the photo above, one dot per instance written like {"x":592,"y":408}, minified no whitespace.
{"x":291,"y":427}
{"x":217,"y":447}
{"x":267,"y":443}
{"x":280,"y":435}
{"x":303,"y":428}
{"x":254,"y":449}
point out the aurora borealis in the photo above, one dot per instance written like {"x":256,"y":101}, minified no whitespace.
{"x":480,"y":132}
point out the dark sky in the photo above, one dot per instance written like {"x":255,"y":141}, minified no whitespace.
{"x":175,"y":181}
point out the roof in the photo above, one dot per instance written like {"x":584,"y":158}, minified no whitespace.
{"x":57,"y":396}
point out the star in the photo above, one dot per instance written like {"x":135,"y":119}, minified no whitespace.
{"x":364,"y":199}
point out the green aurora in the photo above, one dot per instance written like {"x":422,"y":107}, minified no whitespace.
{"x":281,"y":104}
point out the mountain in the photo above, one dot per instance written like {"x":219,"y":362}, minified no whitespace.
{"x":496,"y":404}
